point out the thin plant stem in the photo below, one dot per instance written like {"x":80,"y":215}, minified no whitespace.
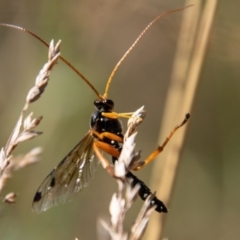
{"x":192,"y":46}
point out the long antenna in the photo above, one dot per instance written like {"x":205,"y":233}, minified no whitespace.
{"x":134,"y":44}
{"x":62,"y":58}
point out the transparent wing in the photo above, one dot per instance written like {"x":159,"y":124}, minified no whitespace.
{"x":72,"y":174}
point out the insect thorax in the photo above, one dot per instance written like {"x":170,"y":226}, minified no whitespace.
{"x":101,"y":124}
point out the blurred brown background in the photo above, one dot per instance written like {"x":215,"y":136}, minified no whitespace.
{"x":95,"y":35}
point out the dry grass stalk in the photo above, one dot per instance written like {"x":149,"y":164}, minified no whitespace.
{"x":192,"y":46}
{"x":25,"y":127}
{"x":126,"y":195}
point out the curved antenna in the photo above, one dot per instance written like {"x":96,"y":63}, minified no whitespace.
{"x":62,"y":58}
{"x":135,"y":43}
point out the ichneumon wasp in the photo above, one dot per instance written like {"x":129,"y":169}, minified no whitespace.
{"x":75,"y":170}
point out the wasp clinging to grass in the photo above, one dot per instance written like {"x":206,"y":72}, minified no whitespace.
{"x":105,"y":135}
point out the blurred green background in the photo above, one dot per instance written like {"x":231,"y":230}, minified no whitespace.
{"x":95,"y":35}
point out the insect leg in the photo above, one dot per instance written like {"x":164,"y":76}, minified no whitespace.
{"x":114,"y":115}
{"x":109,"y":149}
{"x":160,"y":148}
{"x":97,"y":145}
{"x":108,"y":135}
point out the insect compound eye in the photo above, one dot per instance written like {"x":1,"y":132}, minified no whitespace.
{"x":97,"y":103}
{"x":109,"y":103}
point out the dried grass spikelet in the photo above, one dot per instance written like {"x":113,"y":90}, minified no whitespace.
{"x":25,"y":127}
{"x":43,"y":76}
{"x":10,"y":198}
{"x":123,"y":199}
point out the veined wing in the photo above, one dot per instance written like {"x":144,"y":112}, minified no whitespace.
{"x":72,"y":174}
